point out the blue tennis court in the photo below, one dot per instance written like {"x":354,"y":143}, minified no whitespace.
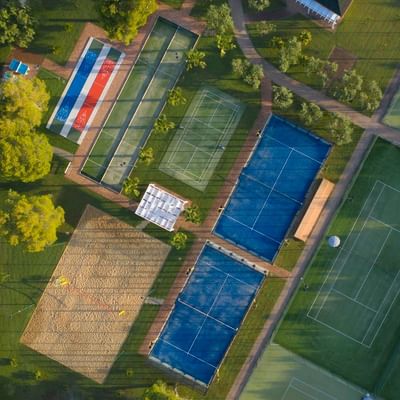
{"x":207,"y":315}
{"x":272,"y":188}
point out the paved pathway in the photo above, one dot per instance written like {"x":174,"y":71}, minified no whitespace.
{"x":372,"y":127}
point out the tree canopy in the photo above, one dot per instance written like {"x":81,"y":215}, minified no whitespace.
{"x":122,"y":19}
{"x":310,"y":113}
{"x":195,"y":59}
{"x":282,"y":97}
{"x":251,"y":74}
{"x":219,"y":19}
{"x":24,"y":99}
{"x":341,"y":129}
{"x":130,"y":187}
{"x":16,"y":25}
{"x":30,"y":221}
{"x":259,"y":5}
{"x":24,"y":156}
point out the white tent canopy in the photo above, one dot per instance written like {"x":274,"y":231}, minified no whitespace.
{"x":323,"y":12}
{"x":160,"y":207}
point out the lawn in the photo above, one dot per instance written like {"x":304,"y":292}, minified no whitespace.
{"x":29,"y":274}
{"x":369,"y":30}
{"x":60,"y":24}
{"x":55,"y":86}
{"x":355,"y":337}
{"x":275,"y":5}
{"x":4,"y":53}
{"x":217,"y":74}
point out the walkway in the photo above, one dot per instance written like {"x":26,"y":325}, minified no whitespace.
{"x":372,"y":127}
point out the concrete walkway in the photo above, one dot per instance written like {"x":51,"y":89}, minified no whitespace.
{"x":372,"y":128}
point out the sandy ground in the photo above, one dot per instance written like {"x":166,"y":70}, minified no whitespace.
{"x":108,"y":268}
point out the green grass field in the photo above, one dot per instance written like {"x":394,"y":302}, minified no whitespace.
{"x":177,"y":4}
{"x":200,"y":140}
{"x":282,"y":375}
{"x":54,"y":38}
{"x":372,"y":39}
{"x":392,"y":116}
{"x":346,"y":321}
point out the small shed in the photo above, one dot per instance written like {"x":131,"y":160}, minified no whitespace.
{"x":160,"y":207}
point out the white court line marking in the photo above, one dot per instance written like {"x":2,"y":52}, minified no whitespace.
{"x":268,"y":187}
{"x":354,"y":300}
{"x":373,"y":264}
{"x":208,"y":314}
{"x":384,"y":223}
{"x":236,"y":279}
{"x":183,"y":351}
{"x":272,"y":189}
{"x":313,"y":387}
{"x":295,"y":150}
{"x":379,"y":309}
{"x":252,"y":229}
{"x":341,"y":249}
{"x":349,"y":252}
{"x":337,"y":331}
{"x":377,"y":312}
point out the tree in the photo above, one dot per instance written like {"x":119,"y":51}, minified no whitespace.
{"x":25,"y":99}
{"x":350,"y":86}
{"x":371,"y":97}
{"x":179,"y":240}
{"x":160,"y":391}
{"x":290,"y":54}
{"x":240,"y":66}
{"x":175,"y":97}
{"x":219,"y":19}
{"x":16,"y":25}
{"x":122,"y":19}
{"x":24,"y":156}
{"x":130,"y":187}
{"x":264,"y":28}
{"x":162,"y":125}
{"x":30,"y":221}
{"x":277,"y":42}
{"x":305,"y":38}
{"x":146,"y":156}
{"x":251,"y":74}
{"x":310,"y":113}
{"x":254,"y":76}
{"x":225,"y":43}
{"x":259,"y":5}
{"x":282,"y":97}
{"x":325,"y":70}
{"x":195,"y":59}
{"x":341,"y":129}
{"x":192,"y":214}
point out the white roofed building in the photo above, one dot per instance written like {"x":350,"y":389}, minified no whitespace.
{"x":160,"y":207}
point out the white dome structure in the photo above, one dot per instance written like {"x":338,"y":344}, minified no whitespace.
{"x":334,"y":241}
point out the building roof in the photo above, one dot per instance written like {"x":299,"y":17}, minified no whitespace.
{"x":160,"y":207}
{"x":339,"y":7}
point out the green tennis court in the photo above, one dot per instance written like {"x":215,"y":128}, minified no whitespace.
{"x":347,"y":319}
{"x":282,"y":375}
{"x":392,"y":116}
{"x":143,"y":96}
{"x":202,"y":137}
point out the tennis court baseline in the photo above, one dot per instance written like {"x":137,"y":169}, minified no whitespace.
{"x":272,"y":188}
{"x":364,"y":280}
{"x":200,"y":141}
{"x":207,"y":315}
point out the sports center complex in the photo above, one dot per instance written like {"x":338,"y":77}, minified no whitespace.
{"x":269,"y":197}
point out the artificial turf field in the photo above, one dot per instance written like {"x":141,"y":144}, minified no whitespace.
{"x":205,"y":131}
{"x":290,"y":377}
{"x":346,"y":321}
